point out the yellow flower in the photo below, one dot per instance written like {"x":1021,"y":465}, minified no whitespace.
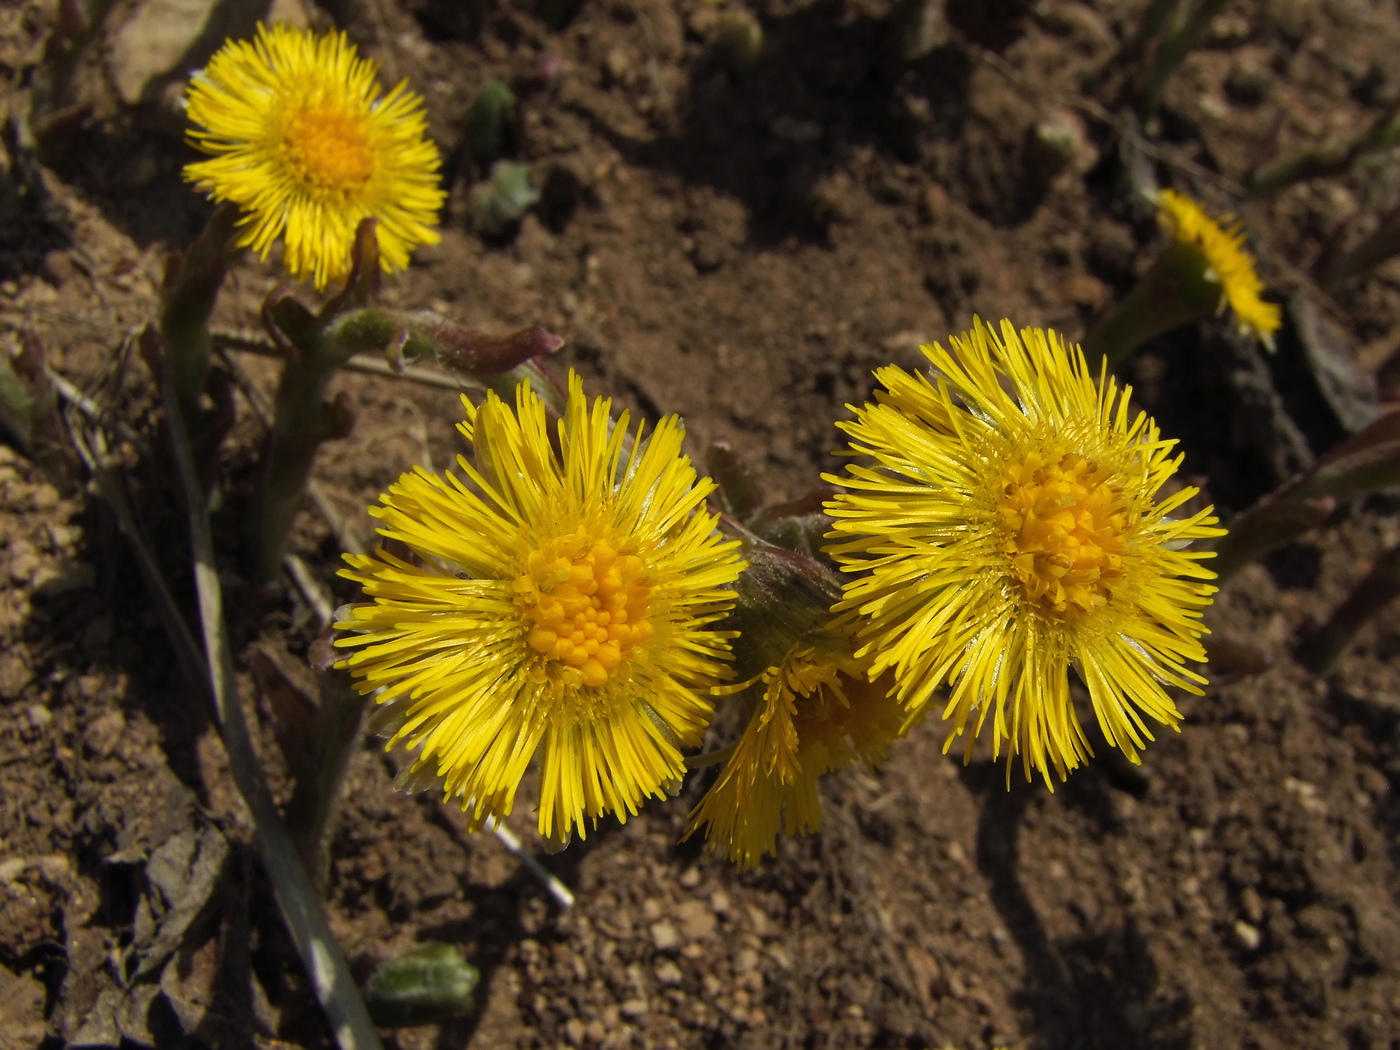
{"x":1226,"y":258}
{"x":305,"y":143}
{"x":816,"y":711}
{"x":1014,"y":524}
{"x":558,"y":602}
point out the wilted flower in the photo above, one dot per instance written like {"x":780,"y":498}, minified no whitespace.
{"x":815,"y":711}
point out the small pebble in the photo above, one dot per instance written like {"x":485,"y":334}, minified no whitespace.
{"x":1249,"y":80}
{"x":63,"y":578}
{"x":574,"y":1031}
{"x":1247,"y":936}
{"x":58,"y":267}
{"x":1087,"y":291}
{"x":1213,"y":108}
{"x":934,"y":203}
{"x":102,"y":735}
{"x":24,"y":561}
{"x":746,"y":961}
{"x":665,"y":936}
{"x":617,"y":63}
{"x":696,"y":920}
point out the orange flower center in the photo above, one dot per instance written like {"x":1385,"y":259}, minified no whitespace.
{"x":327,"y":150}
{"x":1063,"y":530}
{"x":585,"y":606}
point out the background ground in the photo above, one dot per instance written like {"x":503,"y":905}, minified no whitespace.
{"x":742,"y":250}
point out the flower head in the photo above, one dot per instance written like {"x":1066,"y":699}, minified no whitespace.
{"x":305,"y":143}
{"x":816,"y":711}
{"x":1014,"y":524}
{"x":558,"y":603}
{"x":1224,"y":255}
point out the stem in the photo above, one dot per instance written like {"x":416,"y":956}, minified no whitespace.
{"x":296,"y":897}
{"x":1154,"y":21}
{"x":1175,"y":291}
{"x":315,"y":804}
{"x":710,"y":758}
{"x":541,"y":382}
{"x":1383,"y":243}
{"x":16,"y":406}
{"x":372,"y":365}
{"x":1270,"y":523}
{"x":191,"y":286}
{"x":1380,"y":587}
{"x":1162,"y":61}
{"x":508,"y":839}
{"x":301,"y":422}
{"x":345,"y":533}
{"x":29,"y":409}
{"x":1331,"y":158}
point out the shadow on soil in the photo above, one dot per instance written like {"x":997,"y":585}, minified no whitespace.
{"x":1084,"y":993}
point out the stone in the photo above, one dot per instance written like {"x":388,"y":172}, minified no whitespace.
{"x":1246,"y":935}
{"x":24,"y":561}
{"x":746,"y":961}
{"x":63,"y":578}
{"x":22,"y":1024}
{"x":154,"y":42}
{"x":104,"y":732}
{"x":697,"y":920}
{"x":166,"y":39}
{"x":665,"y":936}
{"x":15,"y":674}
{"x":58,"y":267}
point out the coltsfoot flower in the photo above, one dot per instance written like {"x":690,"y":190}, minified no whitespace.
{"x":559,"y":602}
{"x":1225,"y":254}
{"x":816,"y":711}
{"x":1015,"y":524}
{"x":307,"y":145}
{"x":1203,"y":269}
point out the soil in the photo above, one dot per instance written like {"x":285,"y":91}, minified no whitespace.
{"x":743,"y":250}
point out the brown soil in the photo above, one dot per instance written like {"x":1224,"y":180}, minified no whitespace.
{"x":744,"y":250}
